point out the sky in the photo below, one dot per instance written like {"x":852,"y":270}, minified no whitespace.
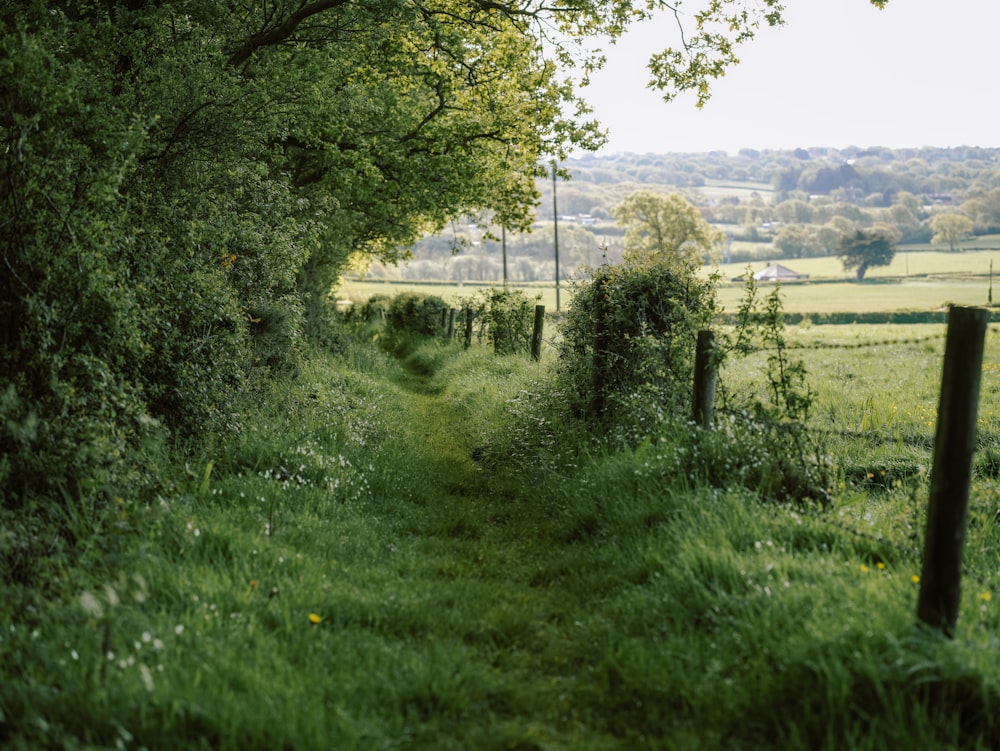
{"x":838,"y":73}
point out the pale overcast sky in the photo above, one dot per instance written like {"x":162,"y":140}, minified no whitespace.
{"x":839,"y":73}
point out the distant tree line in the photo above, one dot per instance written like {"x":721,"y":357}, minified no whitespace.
{"x":796,"y":204}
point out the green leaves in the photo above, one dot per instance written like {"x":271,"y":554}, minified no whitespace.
{"x":708,"y":50}
{"x":668,"y":227}
{"x":864,"y":248}
{"x":172,"y":172}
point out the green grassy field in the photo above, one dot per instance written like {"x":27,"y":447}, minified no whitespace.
{"x":337,"y":571}
{"x":915,"y":281}
{"x":905,"y":265}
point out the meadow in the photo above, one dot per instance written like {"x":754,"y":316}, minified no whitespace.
{"x":339,"y":571}
{"x":915,"y":280}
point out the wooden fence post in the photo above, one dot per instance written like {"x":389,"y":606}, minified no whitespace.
{"x":536,"y":333}
{"x":452,"y":314}
{"x":468,"y":327}
{"x":954,"y":444}
{"x":704,"y":380}
{"x":601,"y":350}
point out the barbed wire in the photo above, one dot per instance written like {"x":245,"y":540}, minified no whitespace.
{"x":917,"y":440}
{"x":867,"y":345}
{"x":912,"y":550}
{"x":882,"y":475}
{"x":842,"y":345}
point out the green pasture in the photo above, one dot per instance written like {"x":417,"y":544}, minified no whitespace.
{"x":921,"y":281}
{"x":871,"y":297}
{"x":719,"y":189}
{"x":907,"y":264}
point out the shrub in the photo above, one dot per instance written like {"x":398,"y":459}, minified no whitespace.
{"x":411,"y":319}
{"x":633,"y":327}
{"x":410,"y":313}
{"x":506,"y":318}
{"x":771,"y":438}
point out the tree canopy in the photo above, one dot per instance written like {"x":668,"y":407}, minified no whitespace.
{"x":182,"y":180}
{"x":667,"y":227}
{"x":864,"y":248}
{"x":950,"y":229}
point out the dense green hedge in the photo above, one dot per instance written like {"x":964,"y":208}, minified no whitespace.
{"x":632,"y":328}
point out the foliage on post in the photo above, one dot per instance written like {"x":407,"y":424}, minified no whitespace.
{"x":955,"y":442}
{"x":536,"y":333}
{"x":704,"y":380}
{"x":601,"y":349}
{"x":468,"y":326}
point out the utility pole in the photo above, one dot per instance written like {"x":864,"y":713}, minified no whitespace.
{"x":555,"y":225}
{"x":503,"y":246}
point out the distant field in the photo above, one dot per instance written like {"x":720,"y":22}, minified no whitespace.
{"x":927,"y":280}
{"x":729,"y":188}
{"x":841,"y":297}
{"x":907,"y":264}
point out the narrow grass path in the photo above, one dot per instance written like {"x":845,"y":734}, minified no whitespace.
{"x":440,"y":446}
{"x":341,"y":574}
{"x":540,"y":605}
{"x":503,"y":597}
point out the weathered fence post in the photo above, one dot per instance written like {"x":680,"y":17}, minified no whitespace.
{"x":954,"y":444}
{"x":536,"y":333}
{"x":452,"y":314}
{"x":601,"y":350}
{"x":468,"y":327}
{"x":704,"y":380}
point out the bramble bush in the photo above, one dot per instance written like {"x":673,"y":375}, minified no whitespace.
{"x":632,"y":328}
{"x":796,"y":465}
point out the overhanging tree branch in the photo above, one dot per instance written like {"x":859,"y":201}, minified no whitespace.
{"x":282,"y":31}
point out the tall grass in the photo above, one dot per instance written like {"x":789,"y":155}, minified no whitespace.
{"x":338,"y":571}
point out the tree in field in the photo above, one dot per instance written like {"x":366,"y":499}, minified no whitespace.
{"x":667,"y":227}
{"x":950,"y":229}
{"x":864,"y":248}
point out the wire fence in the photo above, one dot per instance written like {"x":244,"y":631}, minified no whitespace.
{"x":956,"y":419}
{"x":885,"y":473}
